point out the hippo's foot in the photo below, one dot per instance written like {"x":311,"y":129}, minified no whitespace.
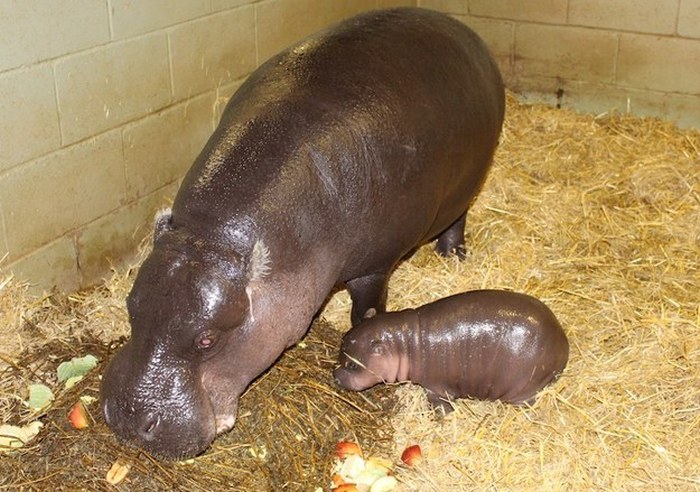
{"x":452,"y":239}
{"x":368,"y":295}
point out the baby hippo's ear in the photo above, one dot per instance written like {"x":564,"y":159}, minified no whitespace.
{"x":164,"y":223}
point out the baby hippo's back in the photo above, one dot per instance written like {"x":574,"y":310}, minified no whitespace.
{"x":487,"y":344}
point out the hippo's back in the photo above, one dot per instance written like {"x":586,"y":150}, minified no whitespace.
{"x":491,"y":344}
{"x":379,"y":129}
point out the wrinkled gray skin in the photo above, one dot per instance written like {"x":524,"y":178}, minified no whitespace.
{"x":485,"y":344}
{"x":334,"y":160}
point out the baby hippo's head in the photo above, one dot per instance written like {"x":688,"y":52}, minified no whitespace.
{"x":367,"y":356}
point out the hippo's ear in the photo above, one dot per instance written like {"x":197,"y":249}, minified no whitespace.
{"x":259,"y":261}
{"x":164,"y":222}
{"x":258,"y":267}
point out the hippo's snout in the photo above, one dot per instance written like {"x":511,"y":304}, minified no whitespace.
{"x":146,"y":424}
{"x":174,"y":422}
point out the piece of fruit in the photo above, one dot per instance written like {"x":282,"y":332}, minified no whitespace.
{"x":78,"y":416}
{"x":351,"y":467}
{"x":337,"y":479}
{"x":12,"y":436}
{"x":378,"y":466}
{"x":118,"y":472}
{"x":346,"y":448}
{"x":346,"y":487}
{"x":384,"y":484}
{"x":412,"y":455}
{"x":40,"y":397}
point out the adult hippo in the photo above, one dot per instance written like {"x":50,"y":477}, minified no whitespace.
{"x":335,"y":159}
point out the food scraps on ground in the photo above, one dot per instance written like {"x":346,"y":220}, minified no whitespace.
{"x":72,"y":371}
{"x":13,"y":437}
{"x":40,"y":397}
{"x":117,"y":472}
{"x":77,"y":416}
{"x":352,"y":472}
{"x":412,"y":455}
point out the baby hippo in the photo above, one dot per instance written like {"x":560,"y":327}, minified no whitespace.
{"x":485,"y":344}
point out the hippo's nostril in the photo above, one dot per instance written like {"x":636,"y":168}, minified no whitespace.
{"x":150,"y":424}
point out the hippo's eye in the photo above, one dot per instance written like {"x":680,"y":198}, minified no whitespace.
{"x":204,"y":340}
{"x":351,"y":365}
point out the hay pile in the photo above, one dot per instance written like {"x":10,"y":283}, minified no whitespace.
{"x":289,"y":420}
{"x":598,"y":217}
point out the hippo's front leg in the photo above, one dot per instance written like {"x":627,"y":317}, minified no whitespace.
{"x":368,"y":292}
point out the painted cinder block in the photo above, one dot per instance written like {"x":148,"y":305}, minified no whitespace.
{"x":212,"y":51}
{"x":498,"y":36}
{"x":689,"y":18}
{"x":599,"y":98}
{"x":28,"y":115}
{"x":113,"y":239}
{"x":385,"y":4}
{"x":160,"y":148}
{"x":564,"y":52}
{"x":643,"y":16}
{"x":130,"y":18}
{"x":217,"y":5}
{"x":282,"y":22}
{"x":449,"y":6}
{"x":37,"y":30}
{"x":45,"y":198}
{"x":548,"y":11}
{"x":4,"y":248}
{"x":53,"y":265}
{"x":659,"y":63}
{"x":104,"y":88}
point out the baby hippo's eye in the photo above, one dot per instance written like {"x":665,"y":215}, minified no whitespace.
{"x":204,"y":340}
{"x":351,"y":365}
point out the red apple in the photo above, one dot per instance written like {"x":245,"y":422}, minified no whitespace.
{"x":412,"y":455}
{"x":346,"y":448}
{"x":78,"y":416}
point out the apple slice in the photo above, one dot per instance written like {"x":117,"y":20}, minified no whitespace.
{"x":346,"y":448}
{"x":78,"y":416}
{"x":412,"y":455}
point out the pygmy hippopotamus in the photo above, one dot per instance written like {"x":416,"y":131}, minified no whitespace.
{"x":335,"y":159}
{"x":484,"y":344}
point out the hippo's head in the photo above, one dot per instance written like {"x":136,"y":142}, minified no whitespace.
{"x":194,"y":347}
{"x":369,"y":355}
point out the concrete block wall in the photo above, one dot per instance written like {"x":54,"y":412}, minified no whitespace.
{"x":104,"y":104}
{"x":641,"y":56}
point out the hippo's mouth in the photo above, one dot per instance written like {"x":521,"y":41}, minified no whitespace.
{"x":224,"y":423}
{"x":223,"y":407}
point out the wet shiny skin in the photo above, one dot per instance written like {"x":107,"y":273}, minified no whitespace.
{"x":493,"y":345}
{"x":332,"y":161}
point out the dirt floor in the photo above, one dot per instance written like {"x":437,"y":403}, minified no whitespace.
{"x":599,"y":217}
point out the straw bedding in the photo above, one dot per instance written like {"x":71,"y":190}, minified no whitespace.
{"x":597,"y":216}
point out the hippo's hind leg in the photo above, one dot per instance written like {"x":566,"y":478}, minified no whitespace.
{"x":368,"y":292}
{"x":452,"y":239}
